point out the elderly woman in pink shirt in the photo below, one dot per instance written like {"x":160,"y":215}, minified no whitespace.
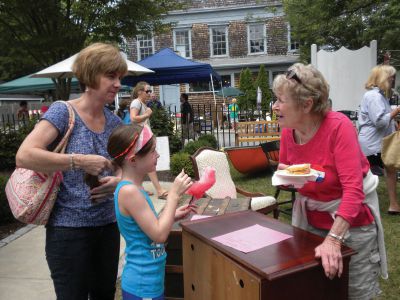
{"x":343,"y":208}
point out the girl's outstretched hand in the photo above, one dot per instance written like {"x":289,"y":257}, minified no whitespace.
{"x":182,"y":211}
{"x":181,"y":183}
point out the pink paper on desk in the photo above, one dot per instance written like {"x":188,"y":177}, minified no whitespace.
{"x":198,"y":217}
{"x":251,"y":238}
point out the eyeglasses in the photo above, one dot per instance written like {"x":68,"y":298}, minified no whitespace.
{"x":148,"y":91}
{"x":291,"y":74}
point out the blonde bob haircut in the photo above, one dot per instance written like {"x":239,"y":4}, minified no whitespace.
{"x":140,"y":86}
{"x":96,"y":60}
{"x":311,"y":84}
{"x":379,"y":78}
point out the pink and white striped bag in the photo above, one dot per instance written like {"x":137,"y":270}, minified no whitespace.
{"x":31,"y":195}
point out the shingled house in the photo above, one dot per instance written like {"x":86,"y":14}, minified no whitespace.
{"x":230,"y":35}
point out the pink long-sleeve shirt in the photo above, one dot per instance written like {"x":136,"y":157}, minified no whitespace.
{"x":334,"y":147}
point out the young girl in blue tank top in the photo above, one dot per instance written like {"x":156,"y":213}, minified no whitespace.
{"x":133,"y":149}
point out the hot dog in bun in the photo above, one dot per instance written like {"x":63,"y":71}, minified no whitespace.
{"x":302,"y":169}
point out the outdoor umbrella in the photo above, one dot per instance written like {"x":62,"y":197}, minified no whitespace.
{"x":229,"y":92}
{"x":63,"y":69}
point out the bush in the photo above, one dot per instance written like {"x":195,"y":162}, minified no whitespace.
{"x":162,"y":125}
{"x":179,"y":161}
{"x":175,"y":143}
{"x":6,"y":215}
{"x":208,"y":140}
{"x":10,"y":140}
{"x":191,"y":147}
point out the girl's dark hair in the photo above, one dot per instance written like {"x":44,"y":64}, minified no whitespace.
{"x":120,"y":139}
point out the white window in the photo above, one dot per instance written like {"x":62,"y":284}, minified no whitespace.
{"x":219,"y":41}
{"x":145,"y":46}
{"x":293,"y":45}
{"x":256,"y":38}
{"x":183,"y":42}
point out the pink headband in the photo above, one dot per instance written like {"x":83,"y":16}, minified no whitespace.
{"x":145,"y":135}
{"x":143,"y":139}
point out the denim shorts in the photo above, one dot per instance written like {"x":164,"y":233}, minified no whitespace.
{"x":129,"y":296}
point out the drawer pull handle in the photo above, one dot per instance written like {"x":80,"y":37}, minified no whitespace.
{"x":192,"y":247}
{"x":193,"y":287}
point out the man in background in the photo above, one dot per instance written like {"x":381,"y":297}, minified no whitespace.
{"x":153,"y":102}
{"x":186,"y":117}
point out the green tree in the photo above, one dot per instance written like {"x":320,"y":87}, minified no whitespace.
{"x":246,"y":85}
{"x":41,"y":33}
{"x":262,"y":81}
{"x":349,"y":23}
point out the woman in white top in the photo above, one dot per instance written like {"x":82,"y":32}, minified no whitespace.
{"x":140,"y":114}
{"x":376,"y":120}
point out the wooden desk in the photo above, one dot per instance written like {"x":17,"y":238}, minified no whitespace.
{"x":174,"y":269}
{"x":286,"y":270}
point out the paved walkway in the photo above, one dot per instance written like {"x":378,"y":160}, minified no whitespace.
{"x":23,"y":268}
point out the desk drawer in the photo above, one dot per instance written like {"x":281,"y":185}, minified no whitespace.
{"x":210,"y":275}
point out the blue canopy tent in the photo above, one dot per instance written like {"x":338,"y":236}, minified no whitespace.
{"x":171,"y":68}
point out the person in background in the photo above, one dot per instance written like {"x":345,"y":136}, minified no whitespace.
{"x":82,"y":237}
{"x":140,"y":114}
{"x":187,"y":117}
{"x":123,"y":111}
{"x":134,"y":151}
{"x":23,"y":112}
{"x":44,"y":108}
{"x":154,"y":102}
{"x":233,"y":113}
{"x":343,"y":208}
{"x":377,"y":120}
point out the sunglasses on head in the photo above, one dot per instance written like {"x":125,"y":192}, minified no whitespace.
{"x":291,"y":74}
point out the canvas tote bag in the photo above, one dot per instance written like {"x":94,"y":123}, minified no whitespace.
{"x":391,"y":150}
{"x":31,"y":195}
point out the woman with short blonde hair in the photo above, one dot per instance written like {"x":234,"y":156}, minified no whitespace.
{"x":377,"y":120}
{"x":82,"y":237}
{"x":336,"y":207}
{"x":379,"y":78}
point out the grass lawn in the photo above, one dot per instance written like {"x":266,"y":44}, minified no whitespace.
{"x":391,"y":224}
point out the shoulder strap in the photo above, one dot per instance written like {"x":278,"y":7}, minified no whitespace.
{"x":71,"y":122}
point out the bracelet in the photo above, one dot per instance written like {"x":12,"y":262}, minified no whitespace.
{"x":336,"y":237}
{"x":72,"y":165}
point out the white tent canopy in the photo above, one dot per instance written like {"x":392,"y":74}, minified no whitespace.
{"x":63,"y":69}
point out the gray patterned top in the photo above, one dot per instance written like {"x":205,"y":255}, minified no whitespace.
{"x":73,"y":207}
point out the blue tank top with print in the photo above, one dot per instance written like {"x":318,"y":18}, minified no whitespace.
{"x":143,"y":273}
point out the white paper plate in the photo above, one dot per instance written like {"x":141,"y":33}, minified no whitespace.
{"x":285,"y":173}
